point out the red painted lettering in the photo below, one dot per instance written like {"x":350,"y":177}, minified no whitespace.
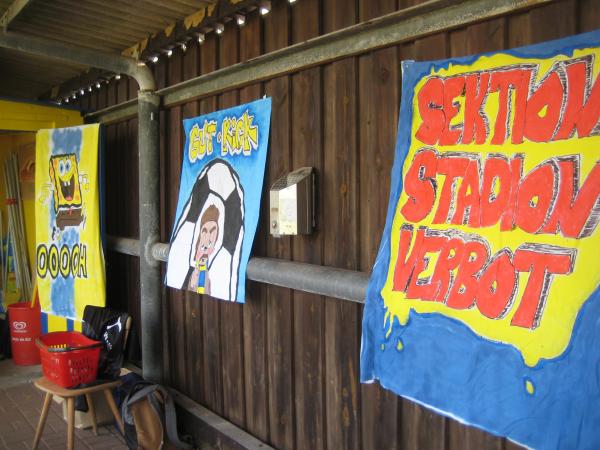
{"x":419,"y":185}
{"x":542,"y":262}
{"x":430,"y":100}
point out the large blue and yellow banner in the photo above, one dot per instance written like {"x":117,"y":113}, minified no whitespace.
{"x":484,"y":301}
{"x":69,"y":257}
{"x":219,"y":200}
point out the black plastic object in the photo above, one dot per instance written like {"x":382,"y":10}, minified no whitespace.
{"x":4,"y":338}
{"x":107,"y":326}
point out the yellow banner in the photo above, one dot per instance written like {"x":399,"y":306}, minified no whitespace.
{"x":495,"y":225}
{"x":69,"y":257}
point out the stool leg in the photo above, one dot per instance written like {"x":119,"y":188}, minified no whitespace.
{"x":42,"y":422}
{"x":90,"y":403}
{"x":113,"y":407}
{"x":70,"y":422}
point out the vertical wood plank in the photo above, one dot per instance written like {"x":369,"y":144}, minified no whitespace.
{"x":309,"y":319}
{"x":213,"y":383}
{"x":111,"y":92}
{"x":123,"y":89}
{"x":463,"y":437}
{"x":255,"y":308}
{"x":132,"y":89}
{"x":160,"y":69}
{"x":588,"y":15}
{"x":84,"y":104}
{"x":545,"y":23}
{"x":341,"y":234}
{"x":480,"y":38}
{"x":553,"y":21}
{"x":191,"y":301}
{"x":431,"y":47}
{"x":279,"y":301}
{"x":308,"y":308}
{"x":378,"y":89}
{"x":177,"y":323}
{"x":231,"y":319}
{"x":102,"y":93}
{"x":93,"y":100}
{"x":112,"y":152}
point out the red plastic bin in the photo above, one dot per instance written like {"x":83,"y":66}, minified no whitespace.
{"x":69,"y":358}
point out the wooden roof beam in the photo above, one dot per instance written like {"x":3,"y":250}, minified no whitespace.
{"x":13,"y":10}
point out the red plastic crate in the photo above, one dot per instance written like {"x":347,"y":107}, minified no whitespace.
{"x":69,"y":358}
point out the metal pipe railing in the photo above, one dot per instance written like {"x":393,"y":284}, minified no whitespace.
{"x":321,"y":280}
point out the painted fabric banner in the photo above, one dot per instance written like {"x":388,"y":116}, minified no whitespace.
{"x":69,"y":256}
{"x":484,"y":303}
{"x":219,"y":200}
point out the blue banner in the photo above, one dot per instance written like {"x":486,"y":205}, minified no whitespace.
{"x":219,"y":200}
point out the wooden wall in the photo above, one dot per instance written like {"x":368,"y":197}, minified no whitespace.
{"x":285,"y":365}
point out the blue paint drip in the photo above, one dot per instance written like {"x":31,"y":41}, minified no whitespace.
{"x":44,"y":323}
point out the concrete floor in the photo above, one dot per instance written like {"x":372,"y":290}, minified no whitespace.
{"x":20,"y":406}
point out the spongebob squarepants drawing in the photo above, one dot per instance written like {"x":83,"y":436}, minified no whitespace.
{"x":67,"y":191}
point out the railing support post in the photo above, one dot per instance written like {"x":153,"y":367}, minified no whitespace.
{"x":149,"y":194}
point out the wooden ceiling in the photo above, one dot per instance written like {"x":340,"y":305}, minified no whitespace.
{"x":107,"y":25}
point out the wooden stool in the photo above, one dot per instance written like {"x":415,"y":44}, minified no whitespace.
{"x":69,"y":395}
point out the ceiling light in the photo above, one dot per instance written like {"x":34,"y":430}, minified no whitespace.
{"x":169,"y":53}
{"x":264,"y":7}
{"x":154,"y":59}
{"x":59,"y":101}
{"x":81,"y":91}
{"x":97,"y":85}
{"x":219,"y":28}
{"x":200,"y":38}
{"x":240,"y":19}
{"x":183,"y":47}
{"x":118,"y":76}
{"x":67,"y":100}
{"x":291,"y":2}
{"x":74,"y":95}
{"x":90,"y":88}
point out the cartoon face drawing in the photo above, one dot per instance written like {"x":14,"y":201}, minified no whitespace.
{"x":209,"y":232}
{"x":67,"y":191}
{"x":207,"y":239}
{"x":64,"y":174}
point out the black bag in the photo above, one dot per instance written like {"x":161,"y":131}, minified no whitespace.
{"x":4,"y":338}
{"x":107,"y":326}
{"x":149,"y":416}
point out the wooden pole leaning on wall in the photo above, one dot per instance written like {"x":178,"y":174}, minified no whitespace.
{"x":16,"y":228}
